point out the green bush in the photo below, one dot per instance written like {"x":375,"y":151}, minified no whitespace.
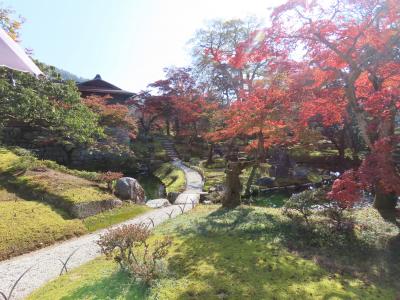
{"x":304,"y":202}
{"x":34,"y":102}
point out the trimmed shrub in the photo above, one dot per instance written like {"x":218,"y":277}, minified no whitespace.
{"x":304,"y":202}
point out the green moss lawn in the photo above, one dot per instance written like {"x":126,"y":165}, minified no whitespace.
{"x":252,"y":253}
{"x":213,"y":174}
{"x":114,"y":216}
{"x":172,"y":177}
{"x":28,"y":225}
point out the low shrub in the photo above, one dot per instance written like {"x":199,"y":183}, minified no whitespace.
{"x":129,"y":246}
{"x":109,"y":178}
{"x":24,"y":163}
{"x":304,"y":203}
{"x":337,"y":214}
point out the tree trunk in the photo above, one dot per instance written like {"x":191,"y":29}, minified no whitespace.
{"x":231,"y":148}
{"x":210,"y":154}
{"x":261,"y":149}
{"x":177,"y":127}
{"x":233,"y":186}
{"x":384,"y":200}
{"x":167,"y":127}
{"x":250,"y":180}
{"x":358,"y":113}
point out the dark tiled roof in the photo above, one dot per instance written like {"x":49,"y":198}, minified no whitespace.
{"x":97,"y":85}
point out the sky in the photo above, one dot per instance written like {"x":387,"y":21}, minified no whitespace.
{"x":127,"y":42}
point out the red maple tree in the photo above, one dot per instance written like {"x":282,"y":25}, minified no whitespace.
{"x":352,"y":46}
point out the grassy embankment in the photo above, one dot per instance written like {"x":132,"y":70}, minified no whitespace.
{"x":33,"y":198}
{"x":253,"y":253}
{"x":172,"y":177}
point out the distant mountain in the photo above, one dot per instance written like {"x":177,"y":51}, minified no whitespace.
{"x":69,"y":76}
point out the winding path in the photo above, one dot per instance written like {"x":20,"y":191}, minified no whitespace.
{"x":46,"y":263}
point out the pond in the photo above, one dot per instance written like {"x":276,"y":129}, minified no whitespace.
{"x":152,"y":186}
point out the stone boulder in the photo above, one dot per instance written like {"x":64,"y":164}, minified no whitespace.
{"x":157,"y":203}
{"x":128,"y":188}
{"x":300,"y":171}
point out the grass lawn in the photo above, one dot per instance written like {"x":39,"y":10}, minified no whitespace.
{"x":275,"y":199}
{"x":172,"y":177}
{"x":214,"y":174}
{"x":98,"y":279}
{"x":27,"y":175}
{"x":64,"y":188}
{"x":252,"y":253}
{"x":114,"y":216}
{"x":29,"y":225}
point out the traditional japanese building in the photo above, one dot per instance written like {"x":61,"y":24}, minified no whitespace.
{"x":99,"y":87}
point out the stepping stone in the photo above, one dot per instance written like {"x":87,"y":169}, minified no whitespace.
{"x":157,"y":203}
{"x":188,"y":198}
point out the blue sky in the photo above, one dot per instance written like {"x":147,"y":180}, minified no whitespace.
{"x":128,"y":42}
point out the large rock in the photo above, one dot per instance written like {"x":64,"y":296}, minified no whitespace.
{"x":157,"y":203}
{"x":300,"y":171}
{"x":128,"y":188}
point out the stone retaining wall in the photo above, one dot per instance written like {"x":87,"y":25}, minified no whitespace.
{"x":87,"y":209}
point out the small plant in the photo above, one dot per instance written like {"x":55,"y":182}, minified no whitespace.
{"x":345,"y":195}
{"x":25,"y":163}
{"x":304,"y":202}
{"x":129,"y":247}
{"x":109,"y":178}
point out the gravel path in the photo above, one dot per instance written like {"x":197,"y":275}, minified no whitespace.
{"x":45,"y":262}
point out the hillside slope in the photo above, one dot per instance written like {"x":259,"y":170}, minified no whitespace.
{"x":42,"y":202}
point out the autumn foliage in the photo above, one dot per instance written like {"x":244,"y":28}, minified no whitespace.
{"x":329,"y":70}
{"x":112,"y":115}
{"x":346,"y":190}
{"x":109,"y":178}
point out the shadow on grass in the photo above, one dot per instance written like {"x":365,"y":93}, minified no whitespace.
{"x":240,"y":252}
{"x":28,"y":191}
{"x":116,"y":286}
{"x":390,"y":215}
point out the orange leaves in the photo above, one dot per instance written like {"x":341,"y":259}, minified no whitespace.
{"x":112,"y":115}
{"x":379,"y":96}
{"x":331,"y":110}
{"x":378,"y":167}
{"x":346,"y":190}
{"x":382,"y":103}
